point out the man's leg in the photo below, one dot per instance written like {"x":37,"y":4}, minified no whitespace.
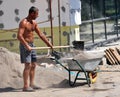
{"x":32,"y":76}
{"x":26,"y":73}
{"x":32,"y":73}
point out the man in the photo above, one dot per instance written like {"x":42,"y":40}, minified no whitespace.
{"x":28,"y":56}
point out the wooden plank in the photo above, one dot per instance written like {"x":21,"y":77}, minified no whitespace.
{"x":109,"y":57}
{"x":116,"y":54}
{"x":118,"y":50}
{"x":113,"y":56}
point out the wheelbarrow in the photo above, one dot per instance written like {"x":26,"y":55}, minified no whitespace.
{"x":88,"y":67}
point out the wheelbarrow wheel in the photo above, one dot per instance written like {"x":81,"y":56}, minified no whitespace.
{"x":93,"y":77}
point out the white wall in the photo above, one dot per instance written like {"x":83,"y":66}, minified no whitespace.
{"x":9,"y":6}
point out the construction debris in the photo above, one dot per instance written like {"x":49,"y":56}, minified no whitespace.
{"x":112,"y":55}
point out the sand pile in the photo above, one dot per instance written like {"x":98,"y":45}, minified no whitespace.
{"x":11,"y":72}
{"x":10,"y":69}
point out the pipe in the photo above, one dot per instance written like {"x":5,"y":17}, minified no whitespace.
{"x":51,"y":23}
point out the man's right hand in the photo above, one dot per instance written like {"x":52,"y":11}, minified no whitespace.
{"x":29,"y":48}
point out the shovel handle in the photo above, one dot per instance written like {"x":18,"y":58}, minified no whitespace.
{"x":54,"y":47}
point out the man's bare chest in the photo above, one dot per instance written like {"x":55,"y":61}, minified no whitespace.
{"x":30,"y":27}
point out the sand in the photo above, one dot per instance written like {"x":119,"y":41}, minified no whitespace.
{"x":53,"y":80}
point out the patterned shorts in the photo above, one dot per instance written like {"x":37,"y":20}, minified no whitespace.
{"x":27,"y":56}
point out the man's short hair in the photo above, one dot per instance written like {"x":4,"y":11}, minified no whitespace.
{"x":33,"y":9}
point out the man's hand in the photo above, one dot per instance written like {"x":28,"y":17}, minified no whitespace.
{"x":29,"y":48}
{"x":50,"y":45}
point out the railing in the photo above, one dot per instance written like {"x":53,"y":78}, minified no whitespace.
{"x":100,"y":29}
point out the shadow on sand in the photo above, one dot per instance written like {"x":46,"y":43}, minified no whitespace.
{"x":10,"y":89}
{"x":65,"y":84}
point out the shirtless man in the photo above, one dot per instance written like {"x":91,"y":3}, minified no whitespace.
{"x":28,"y":56}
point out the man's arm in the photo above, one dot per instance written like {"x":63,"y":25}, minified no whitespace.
{"x":42,"y":36}
{"x":20,"y":35}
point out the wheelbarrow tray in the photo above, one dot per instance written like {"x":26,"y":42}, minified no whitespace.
{"x":84,"y":62}
{"x":80,"y":66}
{"x":87,"y":65}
